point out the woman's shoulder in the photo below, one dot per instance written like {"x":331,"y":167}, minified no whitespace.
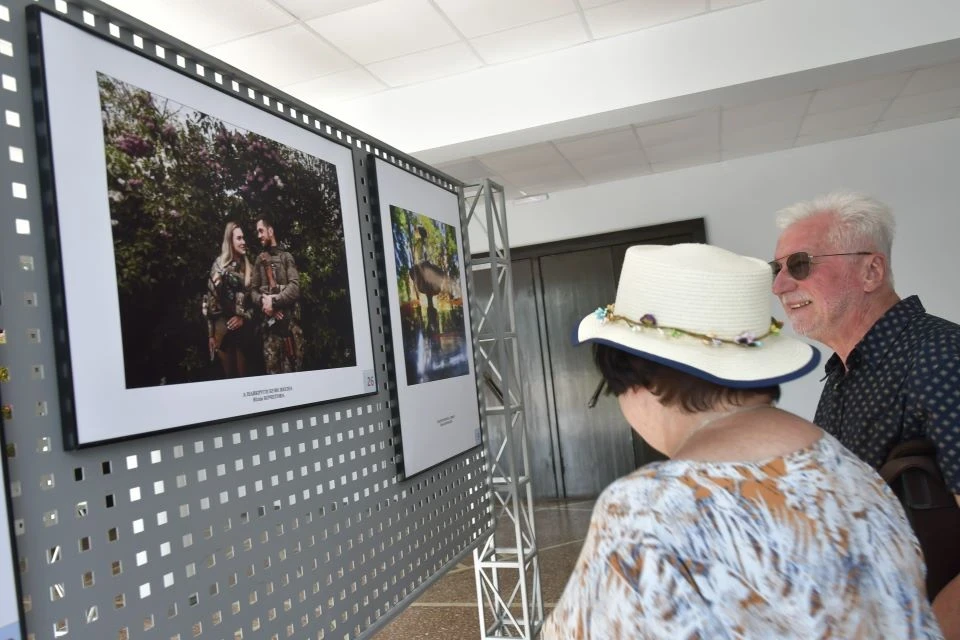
{"x":821,"y":466}
{"x":687,"y":486}
{"x":650,"y":478}
{"x":650,"y":491}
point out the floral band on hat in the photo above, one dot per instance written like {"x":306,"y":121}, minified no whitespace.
{"x":745,"y":339}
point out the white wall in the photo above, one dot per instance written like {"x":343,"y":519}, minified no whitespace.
{"x":915,"y":170}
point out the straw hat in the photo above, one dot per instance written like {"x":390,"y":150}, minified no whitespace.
{"x":702,"y":310}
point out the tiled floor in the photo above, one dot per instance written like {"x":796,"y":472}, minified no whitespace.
{"x":448,"y":609}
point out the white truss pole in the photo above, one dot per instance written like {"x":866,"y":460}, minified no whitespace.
{"x":506,"y":565}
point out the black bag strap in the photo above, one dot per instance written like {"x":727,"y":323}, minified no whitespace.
{"x":915,"y":463}
{"x":893,"y":469}
{"x":912,"y":472}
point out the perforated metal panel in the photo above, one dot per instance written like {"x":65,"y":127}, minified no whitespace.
{"x":290,"y":525}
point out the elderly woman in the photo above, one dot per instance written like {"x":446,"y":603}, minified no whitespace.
{"x":760,"y":525}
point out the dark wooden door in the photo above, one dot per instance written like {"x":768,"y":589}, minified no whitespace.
{"x":595,"y":444}
{"x":537,"y":396}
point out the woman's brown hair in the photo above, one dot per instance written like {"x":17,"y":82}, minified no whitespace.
{"x":622,"y":371}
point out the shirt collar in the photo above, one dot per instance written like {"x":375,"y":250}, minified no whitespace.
{"x":884,"y":332}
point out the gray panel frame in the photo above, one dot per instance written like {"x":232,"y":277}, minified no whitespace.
{"x":292,"y":524}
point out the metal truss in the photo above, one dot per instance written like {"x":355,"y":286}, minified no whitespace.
{"x":506,"y":564}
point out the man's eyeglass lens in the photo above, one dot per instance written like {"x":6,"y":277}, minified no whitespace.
{"x":798,"y":264}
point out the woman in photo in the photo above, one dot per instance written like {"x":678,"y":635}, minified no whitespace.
{"x":226,"y":305}
{"x":759,"y":525}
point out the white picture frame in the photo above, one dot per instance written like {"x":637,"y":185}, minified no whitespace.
{"x":438,"y":403}
{"x":98,"y":403}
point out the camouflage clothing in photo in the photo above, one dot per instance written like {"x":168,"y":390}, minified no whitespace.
{"x":275,"y":274}
{"x":226,"y":297}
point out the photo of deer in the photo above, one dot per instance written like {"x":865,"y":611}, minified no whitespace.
{"x":428,"y":267}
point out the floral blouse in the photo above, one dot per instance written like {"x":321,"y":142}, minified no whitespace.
{"x":809,"y":545}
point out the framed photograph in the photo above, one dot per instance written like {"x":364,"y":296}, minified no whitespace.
{"x":429,"y":318}
{"x":207,"y":251}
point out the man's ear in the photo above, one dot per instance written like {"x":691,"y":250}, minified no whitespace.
{"x":875,"y":272}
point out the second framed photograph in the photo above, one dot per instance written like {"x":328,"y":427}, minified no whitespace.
{"x":208,"y":252}
{"x":429,"y":317}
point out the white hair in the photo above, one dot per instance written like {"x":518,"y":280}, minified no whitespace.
{"x":860,"y":220}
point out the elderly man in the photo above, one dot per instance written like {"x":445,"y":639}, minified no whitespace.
{"x":895,"y":373}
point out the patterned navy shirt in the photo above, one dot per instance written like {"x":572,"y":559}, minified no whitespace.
{"x":902,"y":382}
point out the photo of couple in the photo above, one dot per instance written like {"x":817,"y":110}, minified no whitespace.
{"x":229,"y":246}
{"x":254,"y":304}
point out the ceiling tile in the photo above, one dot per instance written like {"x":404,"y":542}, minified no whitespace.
{"x":857,"y":94}
{"x":716,"y":5}
{"x":541,"y":174}
{"x":386,"y":29}
{"x":765,"y":133}
{"x":692,"y":147}
{"x":530,"y":40}
{"x":468,"y":171}
{"x":923,"y":103}
{"x":202,"y":24}
{"x":614,"y":166}
{"x":944,"y":76}
{"x":617,"y":141}
{"x":618,"y":173}
{"x":336,"y":87}
{"x":590,"y":4}
{"x":833,"y":134}
{"x":548,"y":186}
{"x":910,"y":121}
{"x":510,"y":192}
{"x":307,"y":9}
{"x":631,"y":15}
{"x":702,"y":125}
{"x":426,"y":65}
{"x":841,"y":119}
{"x":283,"y":56}
{"x":545,"y":179}
{"x":753,"y":115}
{"x":522,"y":158}
{"x":479,"y":17}
{"x":756,"y":149}
{"x":689,"y":161}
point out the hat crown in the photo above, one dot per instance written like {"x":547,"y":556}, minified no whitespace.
{"x":696,"y":287}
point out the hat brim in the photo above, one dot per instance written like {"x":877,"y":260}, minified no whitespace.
{"x":780,"y":359}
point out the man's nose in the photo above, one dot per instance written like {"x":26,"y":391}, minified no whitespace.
{"x":783,"y":282}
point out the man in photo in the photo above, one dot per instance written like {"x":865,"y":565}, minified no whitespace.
{"x":275,"y":290}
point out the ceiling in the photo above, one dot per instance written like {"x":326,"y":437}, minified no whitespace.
{"x":877,"y":104}
{"x":327,"y":51}
{"x":336,"y":54}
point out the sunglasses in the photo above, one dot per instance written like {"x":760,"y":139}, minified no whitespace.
{"x":798,"y":264}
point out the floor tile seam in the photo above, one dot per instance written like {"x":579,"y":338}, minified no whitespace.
{"x":457,"y":570}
